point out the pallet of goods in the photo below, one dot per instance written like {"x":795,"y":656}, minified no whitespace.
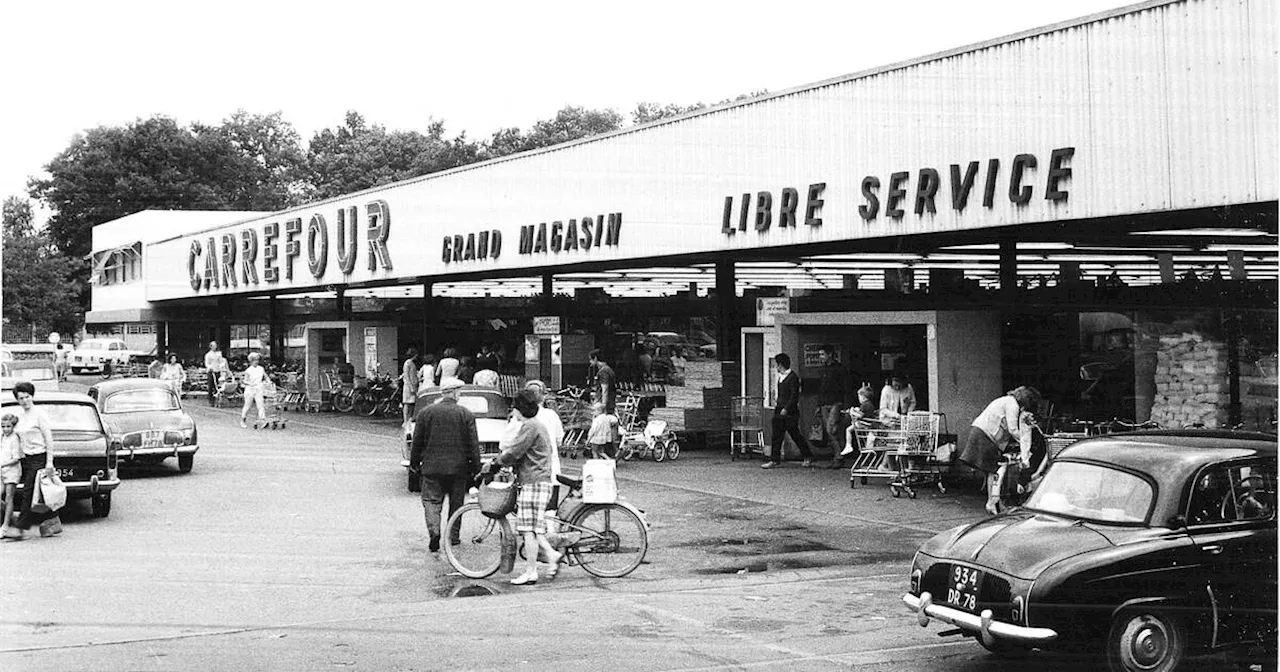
{"x":701,"y":405}
{"x":1191,"y":382}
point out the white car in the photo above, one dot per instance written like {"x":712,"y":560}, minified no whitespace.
{"x":490,"y":409}
{"x":93,"y":353}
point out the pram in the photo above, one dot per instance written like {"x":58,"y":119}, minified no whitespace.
{"x":655,"y":441}
{"x":229,"y":391}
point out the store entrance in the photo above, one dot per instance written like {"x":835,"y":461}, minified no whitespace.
{"x":871,"y":354}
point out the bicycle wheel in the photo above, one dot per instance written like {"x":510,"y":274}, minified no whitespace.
{"x":478,"y":551}
{"x":365,"y":403}
{"x":613,"y":541}
{"x":344,"y":401}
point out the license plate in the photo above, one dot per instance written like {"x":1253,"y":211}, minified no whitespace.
{"x":152,"y":438}
{"x":962,"y":588}
{"x":66,"y":474}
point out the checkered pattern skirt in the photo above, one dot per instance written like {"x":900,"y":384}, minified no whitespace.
{"x":530,"y":505}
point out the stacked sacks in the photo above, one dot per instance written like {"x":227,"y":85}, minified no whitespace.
{"x":1191,"y":382}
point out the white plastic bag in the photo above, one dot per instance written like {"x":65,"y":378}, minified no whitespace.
{"x":598,"y":483}
{"x":52,"y":494}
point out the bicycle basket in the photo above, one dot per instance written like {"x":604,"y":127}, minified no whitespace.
{"x":497,"y":498}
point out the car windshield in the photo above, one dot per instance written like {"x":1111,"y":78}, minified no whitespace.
{"x":92,"y":345}
{"x":481,"y":405}
{"x":19,"y":372}
{"x":66,"y":416}
{"x":153,"y":399}
{"x":1094,"y":492}
{"x":477,"y":404}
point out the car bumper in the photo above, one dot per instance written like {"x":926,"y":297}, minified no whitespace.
{"x":129,"y":454}
{"x":981,"y":625}
{"x":94,"y":486}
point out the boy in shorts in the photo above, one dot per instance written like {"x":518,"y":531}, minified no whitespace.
{"x":10,"y":464}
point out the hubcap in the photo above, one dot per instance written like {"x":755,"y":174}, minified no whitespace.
{"x":1148,"y":643}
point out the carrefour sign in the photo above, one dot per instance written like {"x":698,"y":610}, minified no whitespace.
{"x":275,"y":251}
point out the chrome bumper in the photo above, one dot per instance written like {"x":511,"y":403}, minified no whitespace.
{"x":128,"y":454}
{"x":982,"y":624}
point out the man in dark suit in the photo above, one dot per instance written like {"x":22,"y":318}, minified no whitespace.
{"x":786,"y":414}
{"x":445,"y":450}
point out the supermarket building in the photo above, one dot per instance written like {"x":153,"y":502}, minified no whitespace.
{"x":1074,"y":206}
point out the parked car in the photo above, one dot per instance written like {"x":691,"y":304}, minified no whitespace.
{"x":40,"y":372}
{"x":1150,"y":546}
{"x":93,"y":353}
{"x":145,"y":415}
{"x":490,"y":409}
{"x":84,"y":453}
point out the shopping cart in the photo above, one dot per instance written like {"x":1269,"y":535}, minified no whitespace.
{"x":746,"y":436}
{"x":274,"y":418}
{"x":913,"y":458}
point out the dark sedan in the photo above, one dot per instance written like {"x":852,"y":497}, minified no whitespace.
{"x":486,"y":403}
{"x":145,"y":415}
{"x":1149,"y":546}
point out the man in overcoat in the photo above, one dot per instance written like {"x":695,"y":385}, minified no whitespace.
{"x":445,"y":450}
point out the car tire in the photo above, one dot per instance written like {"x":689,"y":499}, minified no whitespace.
{"x":1145,"y":639}
{"x":185,"y":462}
{"x":76,"y":370}
{"x":100,"y":505}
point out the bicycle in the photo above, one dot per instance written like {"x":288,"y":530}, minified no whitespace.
{"x":606,"y":540}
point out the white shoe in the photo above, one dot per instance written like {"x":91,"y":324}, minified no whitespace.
{"x":848,"y":450}
{"x":243,"y":425}
{"x":526,"y":579}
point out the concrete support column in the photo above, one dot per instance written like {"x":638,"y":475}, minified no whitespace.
{"x":428,"y":316}
{"x":222,"y":331}
{"x":1008,"y":270}
{"x":162,"y":339}
{"x":547,"y":285}
{"x":276,"y":345}
{"x":340,"y":298}
{"x":727,"y":339}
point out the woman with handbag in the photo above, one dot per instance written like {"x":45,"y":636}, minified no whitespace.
{"x":529,"y":451}
{"x":36,"y":434}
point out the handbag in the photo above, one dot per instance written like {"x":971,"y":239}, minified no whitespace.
{"x":51,"y":494}
{"x":497,"y":497}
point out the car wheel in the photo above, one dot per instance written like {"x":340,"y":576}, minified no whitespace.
{"x":1146,"y":640}
{"x":100,"y":505}
{"x":185,"y":462}
{"x":76,"y":370}
{"x":414,"y":482}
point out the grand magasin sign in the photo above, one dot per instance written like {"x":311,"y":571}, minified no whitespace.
{"x":278,"y":251}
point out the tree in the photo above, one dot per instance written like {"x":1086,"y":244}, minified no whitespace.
{"x":40,"y":293}
{"x":358,"y":156}
{"x":248,"y":163}
{"x":571,"y":123}
{"x":648,"y":112}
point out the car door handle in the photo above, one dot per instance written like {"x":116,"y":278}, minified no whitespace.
{"x":1212,"y":549}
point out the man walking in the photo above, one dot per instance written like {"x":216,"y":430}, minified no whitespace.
{"x":445,"y":450}
{"x":834,"y":395}
{"x":786,"y":414}
{"x":214,"y":364}
{"x":604,"y":386}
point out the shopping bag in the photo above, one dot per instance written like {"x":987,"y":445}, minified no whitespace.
{"x":598,"y":483}
{"x":51,"y":494}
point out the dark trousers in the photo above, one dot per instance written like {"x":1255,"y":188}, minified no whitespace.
{"x":212,"y":379}
{"x":434,"y":489}
{"x":31,"y":467}
{"x":788,"y":424}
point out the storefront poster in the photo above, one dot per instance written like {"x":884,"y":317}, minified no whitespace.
{"x":766,"y":308}
{"x":546,"y":325}
{"x":371,"y":349}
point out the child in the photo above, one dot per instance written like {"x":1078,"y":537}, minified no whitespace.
{"x":602,"y":437}
{"x":10,"y":464}
{"x":865,"y":410}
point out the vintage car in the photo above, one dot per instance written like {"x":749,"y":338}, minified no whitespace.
{"x":145,"y":415}
{"x":94,"y":353}
{"x":84,"y":453}
{"x":1148,"y":546}
{"x":490,"y":409}
{"x":39,"y":372}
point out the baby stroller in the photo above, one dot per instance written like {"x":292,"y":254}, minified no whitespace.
{"x":655,"y":441}
{"x":229,"y":391}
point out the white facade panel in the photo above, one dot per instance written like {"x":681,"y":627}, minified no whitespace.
{"x":1159,"y":105}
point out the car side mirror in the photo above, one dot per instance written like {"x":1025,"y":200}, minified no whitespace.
{"x":1177,"y":522}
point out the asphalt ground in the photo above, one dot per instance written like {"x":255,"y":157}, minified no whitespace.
{"x":301,"y":549}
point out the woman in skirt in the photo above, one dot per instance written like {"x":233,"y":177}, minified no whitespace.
{"x":1004,"y":426}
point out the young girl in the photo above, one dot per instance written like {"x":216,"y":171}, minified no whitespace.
{"x":10,"y":465}
{"x":601,"y":438}
{"x":865,"y":410}
{"x":253,"y":388}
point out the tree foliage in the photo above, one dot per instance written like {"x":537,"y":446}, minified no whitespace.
{"x":40,"y":288}
{"x":570,"y":123}
{"x":358,"y":155}
{"x":248,"y":163}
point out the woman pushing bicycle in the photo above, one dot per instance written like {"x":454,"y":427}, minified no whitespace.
{"x":529,"y":451}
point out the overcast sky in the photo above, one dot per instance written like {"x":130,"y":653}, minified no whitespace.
{"x":75,"y":65}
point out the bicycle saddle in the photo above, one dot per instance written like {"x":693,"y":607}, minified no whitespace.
{"x":574,"y":483}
